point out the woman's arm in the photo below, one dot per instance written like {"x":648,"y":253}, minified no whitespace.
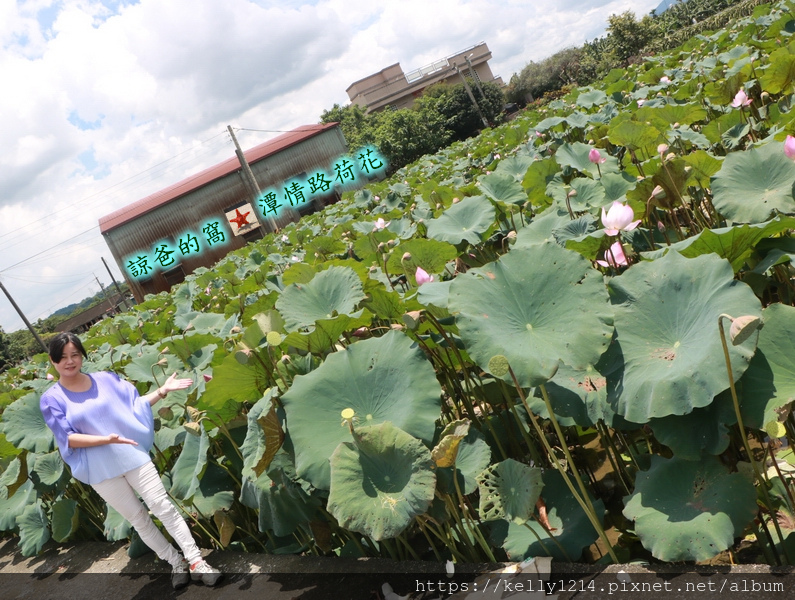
{"x":172,"y":384}
{"x":86,"y":440}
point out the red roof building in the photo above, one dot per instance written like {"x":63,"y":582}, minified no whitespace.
{"x":157,"y":240}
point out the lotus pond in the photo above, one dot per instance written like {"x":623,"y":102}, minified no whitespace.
{"x":572,"y":336}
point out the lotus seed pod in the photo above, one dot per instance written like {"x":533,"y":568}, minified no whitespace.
{"x":192,"y":428}
{"x":274,"y":338}
{"x":193,"y":413}
{"x":498,"y":365}
{"x":742,"y":328}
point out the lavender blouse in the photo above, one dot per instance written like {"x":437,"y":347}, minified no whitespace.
{"x":109,"y":406}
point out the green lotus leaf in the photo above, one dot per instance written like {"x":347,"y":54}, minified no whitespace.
{"x":705,"y":430}
{"x":780,"y":73}
{"x":509,"y":490}
{"x":573,"y":530}
{"x":381,"y":379}
{"x":690,"y":510}
{"x":146,"y":368}
{"x":591,"y":98}
{"x":65,"y":519}
{"x":586,"y":193}
{"x":753,"y":185}
{"x":537,"y":307}
{"x":516,"y":166}
{"x":12,"y":506}
{"x":703,"y":165}
{"x":431,"y":255}
{"x":48,"y":468}
{"x":666,"y":321}
{"x":541,"y":227}
{"x":685,"y":114}
{"x":617,"y":185}
{"x":337,"y":290}
{"x":236,"y":382}
{"x":474,"y":455}
{"x":576,"y":229}
{"x":769,"y":382}
{"x":116,"y":527}
{"x":549,"y":123}
{"x":24,"y":426}
{"x":195,"y":350}
{"x":282,"y":504}
{"x":187,"y":471}
{"x":576,"y":156}
{"x":736,"y":243}
{"x":502,"y":188}
{"x":327,"y":332}
{"x":255,"y":445}
{"x":34,"y":529}
{"x":214,"y":493}
{"x":466,"y":221}
{"x":634,"y":135}
{"x":435,"y":293}
{"x":15,"y":474}
{"x":535,"y":181}
{"x":381,"y":481}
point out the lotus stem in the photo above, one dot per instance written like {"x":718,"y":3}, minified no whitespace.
{"x":587,"y":507}
{"x":744,"y":437}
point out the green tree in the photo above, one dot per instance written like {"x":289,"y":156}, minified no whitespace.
{"x":407,"y":134}
{"x":627,"y":35}
{"x":356,"y":125}
{"x":461,"y":116}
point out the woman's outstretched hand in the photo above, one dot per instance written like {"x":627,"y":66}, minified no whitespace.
{"x":173,"y":384}
{"x":115,"y":438}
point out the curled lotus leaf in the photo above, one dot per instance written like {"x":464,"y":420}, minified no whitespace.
{"x":381,"y":481}
{"x":537,"y":307}
{"x":666,"y":320}
{"x":382,"y":379}
{"x":690,"y":510}
{"x":332,"y":292}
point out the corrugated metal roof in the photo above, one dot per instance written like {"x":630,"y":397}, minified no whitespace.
{"x":194,"y":182}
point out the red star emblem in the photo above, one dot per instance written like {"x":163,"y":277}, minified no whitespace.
{"x":239,"y":219}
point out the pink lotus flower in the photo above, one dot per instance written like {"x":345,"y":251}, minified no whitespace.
{"x":595,"y":157}
{"x":380,"y":224}
{"x":665,"y":79}
{"x":641,"y":102}
{"x":618,"y":218}
{"x":207,"y":378}
{"x":614,"y":257}
{"x":422,"y":276}
{"x":50,"y":377}
{"x":741,"y":99}
{"x":789,"y":147}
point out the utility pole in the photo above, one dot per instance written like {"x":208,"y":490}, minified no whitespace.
{"x":471,"y":96}
{"x":24,"y":319}
{"x":248,"y":179}
{"x":115,"y":283}
{"x":104,"y":293}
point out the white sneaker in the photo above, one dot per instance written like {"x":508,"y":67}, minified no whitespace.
{"x":179,"y":574}
{"x":203,"y":572}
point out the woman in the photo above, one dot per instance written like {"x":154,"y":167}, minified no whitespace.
{"x":104,"y":431}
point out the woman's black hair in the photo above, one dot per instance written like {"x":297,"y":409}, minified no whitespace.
{"x":58,"y":343}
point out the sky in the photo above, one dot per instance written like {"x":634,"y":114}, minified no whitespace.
{"x":105,"y":102}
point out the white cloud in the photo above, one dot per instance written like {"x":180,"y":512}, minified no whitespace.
{"x":99,"y":98}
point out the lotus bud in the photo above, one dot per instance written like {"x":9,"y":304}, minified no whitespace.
{"x":661,"y":226}
{"x":285,"y":358}
{"x":397,"y":326}
{"x":456,"y":200}
{"x":438,"y":206}
{"x":511,"y":235}
{"x":381,"y":247}
{"x":50,"y":377}
{"x":391,"y":243}
{"x":235,"y":329}
{"x":670,"y":156}
{"x":373,"y":268}
{"x":662,"y":149}
{"x":406,"y":256}
{"x":658,"y":193}
{"x":361,"y":332}
{"x":688,"y":169}
{"x":162,"y":362}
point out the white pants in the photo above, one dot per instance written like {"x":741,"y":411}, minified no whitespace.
{"x":119,"y":492}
